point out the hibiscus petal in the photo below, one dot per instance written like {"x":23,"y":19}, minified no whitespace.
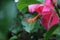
{"x":32,"y":8}
{"x":46,"y":10}
{"x":40,"y":8}
{"x":49,"y":20}
{"x":55,"y":20}
{"x":43,"y":9}
{"x":55,"y":1}
{"x":49,"y":3}
{"x":45,"y":20}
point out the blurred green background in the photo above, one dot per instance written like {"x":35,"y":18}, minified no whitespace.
{"x":13,"y":26}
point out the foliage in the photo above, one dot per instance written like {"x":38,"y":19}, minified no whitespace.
{"x":14,"y":23}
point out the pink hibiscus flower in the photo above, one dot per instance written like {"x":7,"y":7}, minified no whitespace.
{"x":49,"y":16}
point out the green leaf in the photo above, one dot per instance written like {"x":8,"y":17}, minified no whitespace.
{"x":30,"y":27}
{"x":50,"y":32}
{"x":2,"y":36}
{"x":41,"y":1}
{"x":58,"y":37}
{"x":23,"y":4}
{"x":16,"y":29}
{"x":8,"y":13}
{"x":57,"y":31}
{"x":13,"y":38}
{"x":58,"y":3}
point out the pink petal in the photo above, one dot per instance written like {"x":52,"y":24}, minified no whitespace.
{"x":43,"y":9}
{"x":45,"y":20}
{"x":32,"y":8}
{"x":46,"y":10}
{"x":49,"y":3}
{"x":40,"y":8}
{"x":55,"y":20}
{"x":49,"y":20}
{"x":54,"y":1}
